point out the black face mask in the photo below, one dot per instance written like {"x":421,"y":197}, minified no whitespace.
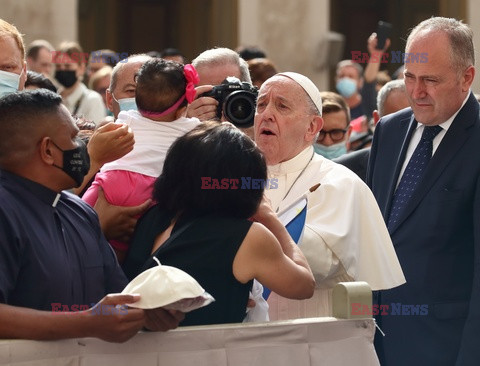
{"x":66,"y":77}
{"x":76,"y":162}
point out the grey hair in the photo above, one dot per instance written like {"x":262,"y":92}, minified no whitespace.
{"x":462,"y":51}
{"x":34,"y":48}
{"x":384,"y":92}
{"x":312,"y":108}
{"x":345,"y":63}
{"x":140,"y":57}
{"x":223,"y":56}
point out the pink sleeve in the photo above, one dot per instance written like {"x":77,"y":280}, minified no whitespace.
{"x":91,"y":195}
{"x":121,"y":188}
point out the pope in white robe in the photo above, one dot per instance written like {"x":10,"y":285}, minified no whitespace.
{"x":345,"y":237}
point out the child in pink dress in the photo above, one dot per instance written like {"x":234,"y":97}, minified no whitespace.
{"x":163,"y":90}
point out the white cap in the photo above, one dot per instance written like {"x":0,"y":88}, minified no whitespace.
{"x":162,"y":286}
{"x":307,"y":85}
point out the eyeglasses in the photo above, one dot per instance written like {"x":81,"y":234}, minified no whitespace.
{"x":336,"y":134}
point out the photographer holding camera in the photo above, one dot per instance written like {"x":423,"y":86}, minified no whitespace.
{"x":214,"y":66}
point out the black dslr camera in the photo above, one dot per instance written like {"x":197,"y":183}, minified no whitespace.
{"x":236,"y":99}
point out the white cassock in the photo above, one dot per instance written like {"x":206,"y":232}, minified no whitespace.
{"x":345,"y":237}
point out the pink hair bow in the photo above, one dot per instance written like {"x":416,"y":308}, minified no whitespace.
{"x":192,"y":78}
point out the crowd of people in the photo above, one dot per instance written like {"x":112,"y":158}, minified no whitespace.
{"x":104,"y":160}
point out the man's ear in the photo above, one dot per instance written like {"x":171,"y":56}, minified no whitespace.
{"x":349,"y":132}
{"x":315,"y":125}
{"x":23,"y":77}
{"x":46,"y":153}
{"x":376,"y":117}
{"x":109,"y":99}
{"x":467,"y":78}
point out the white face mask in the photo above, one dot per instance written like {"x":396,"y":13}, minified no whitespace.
{"x":332,"y":151}
{"x":126,"y":104}
{"x":9,"y":82}
{"x":346,"y":87}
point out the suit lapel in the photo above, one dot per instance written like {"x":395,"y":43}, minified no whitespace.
{"x":453,"y":140}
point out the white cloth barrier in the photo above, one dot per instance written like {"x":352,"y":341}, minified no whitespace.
{"x":301,"y":342}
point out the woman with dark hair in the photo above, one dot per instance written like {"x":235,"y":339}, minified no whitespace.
{"x":36,"y":80}
{"x":212,"y":183}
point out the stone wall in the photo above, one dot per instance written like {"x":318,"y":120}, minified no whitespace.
{"x":53,"y":20}
{"x":289,"y":31}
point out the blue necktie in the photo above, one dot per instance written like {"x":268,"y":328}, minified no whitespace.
{"x":413,"y":173}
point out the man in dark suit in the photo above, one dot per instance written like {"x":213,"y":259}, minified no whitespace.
{"x":432,"y":206}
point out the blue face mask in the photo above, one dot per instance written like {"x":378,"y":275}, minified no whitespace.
{"x":332,"y":151}
{"x":346,"y":87}
{"x":126,"y":104}
{"x":9,"y":82}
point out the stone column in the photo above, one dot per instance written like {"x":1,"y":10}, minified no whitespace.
{"x":473,"y":9}
{"x":290,"y":32}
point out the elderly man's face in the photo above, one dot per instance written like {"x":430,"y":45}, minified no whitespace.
{"x":396,"y":100}
{"x":125,"y":86}
{"x":435,"y":89}
{"x":283,"y":123}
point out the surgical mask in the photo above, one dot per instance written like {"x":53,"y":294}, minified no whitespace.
{"x":346,"y":87}
{"x":126,"y":104}
{"x":332,"y":151}
{"x":76,"y":162}
{"x":66,"y":77}
{"x":9,"y":82}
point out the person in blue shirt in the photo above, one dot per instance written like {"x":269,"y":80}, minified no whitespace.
{"x":53,"y":255}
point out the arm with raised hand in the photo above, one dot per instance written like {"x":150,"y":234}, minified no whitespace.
{"x":270,"y":255}
{"x":203,"y":108}
{"x":108,"y":143}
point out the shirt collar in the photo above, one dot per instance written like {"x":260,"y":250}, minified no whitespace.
{"x":41,"y":192}
{"x":298,"y":162}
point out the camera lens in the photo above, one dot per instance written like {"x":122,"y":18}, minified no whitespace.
{"x":239,"y":108}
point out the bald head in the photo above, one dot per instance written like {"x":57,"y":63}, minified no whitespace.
{"x":127,"y":66}
{"x":217,"y":60}
{"x":391,"y":97}
{"x":122,"y":83}
{"x":460,"y":36}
